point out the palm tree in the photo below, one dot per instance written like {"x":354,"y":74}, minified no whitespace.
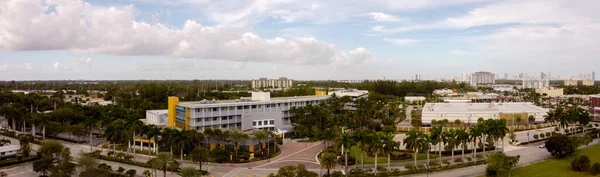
{"x":209,"y":133}
{"x":463,"y":139}
{"x":437,"y":134}
{"x":114,"y":132}
{"x":152,"y":132}
{"x":328,"y":161}
{"x":530,"y":120}
{"x":344,"y":142}
{"x":519,"y":120}
{"x":134,"y":125}
{"x":376,"y":146}
{"x":475,"y":133}
{"x":414,"y":142}
{"x":363,"y":138}
{"x":162,"y":161}
{"x":427,"y":141}
{"x":451,"y":141}
{"x":261,"y":135}
{"x":167,"y":139}
{"x":236,"y":136}
{"x":90,"y":123}
{"x":389,"y":146}
{"x":181,"y":139}
{"x":550,"y":117}
{"x":199,"y":154}
{"x":457,"y":122}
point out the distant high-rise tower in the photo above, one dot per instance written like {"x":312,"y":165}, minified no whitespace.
{"x":505,"y":76}
{"x":543,"y":75}
{"x":593,"y":75}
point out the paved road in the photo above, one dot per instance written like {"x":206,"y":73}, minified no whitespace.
{"x":529,"y":155}
{"x":21,"y":170}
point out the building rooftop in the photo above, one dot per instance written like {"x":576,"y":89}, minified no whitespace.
{"x":160,"y":111}
{"x":481,"y":107}
{"x":250,"y":101}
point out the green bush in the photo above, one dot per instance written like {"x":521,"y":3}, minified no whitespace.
{"x":434,"y":164}
{"x":446,"y":162}
{"x":469,"y":159}
{"x":595,"y":168}
{"x":131,"y":172}
{"x":581,"y":163}
{"x":458,"y":160}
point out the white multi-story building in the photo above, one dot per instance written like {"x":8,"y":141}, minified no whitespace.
{"x":571,"y":82}
{"x":535,"y":83}
{"x":282,"y":82}
{"x":550,"y":91}
{"x":479,"y":78}
{"x":247,"y":113}
{"x":470,"y":112}
{"x":588,"y":82}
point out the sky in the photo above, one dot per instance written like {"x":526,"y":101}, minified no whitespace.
{"x":298,"y":39}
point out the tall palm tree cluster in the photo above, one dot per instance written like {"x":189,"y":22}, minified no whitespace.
{"x":317,"y":121}
{"x":564,"y":118}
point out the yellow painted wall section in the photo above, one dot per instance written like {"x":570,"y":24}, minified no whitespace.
{"x":264,"y":145}
{"x":187,"y":118}
{"x":173,"y":101}
{"x":320,"y":93}
{"x":222,"y":145}
{"x":251,"y":148}
{"x":212,"y":146}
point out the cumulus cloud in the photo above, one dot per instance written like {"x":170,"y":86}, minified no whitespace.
{"x":114,"y":30}
{"x":400,"y":41}
{"x":383,"y":17}
{"x":532,"y":12}
{"x":460,"y":52}
{"x":26,"y":66}
{"x":55,"y":66}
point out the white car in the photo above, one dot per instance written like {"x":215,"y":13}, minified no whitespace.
{"x":543,"y":145}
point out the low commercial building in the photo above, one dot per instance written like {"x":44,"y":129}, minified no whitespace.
{"x":444,"y":92}
{"x":157,"y":117}
{"x":550,"y":91}
{"x":352,"y":93}
{"x":414,"y":99}
{"x":9,"y":151}
{"x":470,"y":112}
{"x":588,"y":82}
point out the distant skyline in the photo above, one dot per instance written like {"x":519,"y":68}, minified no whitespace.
{"x":301,"y":40}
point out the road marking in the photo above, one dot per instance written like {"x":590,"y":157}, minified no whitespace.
{"x":317,"y":157}
{"x":233,"y":172}
{"x":288,"y":156}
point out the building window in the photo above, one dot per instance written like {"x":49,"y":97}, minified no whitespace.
{"x":214,"y":118}
{"x":266,"y":122}
{"x":272,"y":122}
{"x":259,"y":123}
{"x":239,"y":107}
{"x":224,"y":118}
{"x":215,"y":109}
{"x":230,"y":117}
{"x":253,"y":123}
{"x":224,"y":126}
{"x":207,"y":119}
{"x":253,"y":106}
{"x":246,"y":107}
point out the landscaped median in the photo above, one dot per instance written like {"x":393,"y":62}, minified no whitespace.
{"x":17,"y":160}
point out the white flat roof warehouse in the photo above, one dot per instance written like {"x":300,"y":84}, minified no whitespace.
{"x":470,"y":112}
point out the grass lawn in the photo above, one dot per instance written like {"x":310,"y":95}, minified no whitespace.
{"x":558,"y":167}
{"x":355,"y":152}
